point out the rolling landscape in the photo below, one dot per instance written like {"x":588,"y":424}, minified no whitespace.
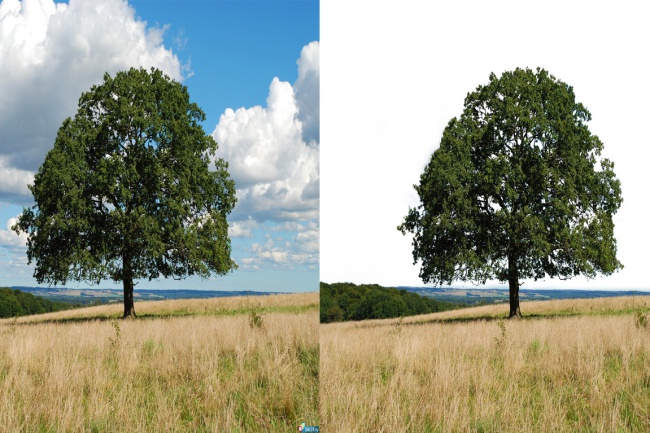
{"x":104,"y":295}
{"x":568,"y":365}
{"x":490,"y":295}
{"x":236,"y":364}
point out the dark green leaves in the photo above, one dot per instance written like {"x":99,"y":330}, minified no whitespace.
{"x":516,"y":188}
{"x":127,"y":182}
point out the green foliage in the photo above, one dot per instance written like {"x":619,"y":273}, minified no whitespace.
{"x":500,"y":341}
{"x":516,"y":189}
{"x":15,"y":303}
{"x":640,"y":320}
{"x":115,"y":340}
{"x":347,"y":301}
{"x":131,"y":189}
{"x":255,"y":319}
{"x":309,"y":358}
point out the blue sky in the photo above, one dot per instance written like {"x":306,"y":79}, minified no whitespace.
{"x":252,"y":66}
{"x":234,"y":47}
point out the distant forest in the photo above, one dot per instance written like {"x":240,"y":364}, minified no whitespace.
{"x":14,"y":303}
{"x":346,"y":301}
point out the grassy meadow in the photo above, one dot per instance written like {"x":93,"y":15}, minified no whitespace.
{"x":570,"y":366}
{"x":248,"y":364}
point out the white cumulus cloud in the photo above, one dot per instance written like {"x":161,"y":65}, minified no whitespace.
{"x":307,"y":90}
{"x":273,"y":151}
{"x":13,"y":181}
{"x":9,"y":238}
{"x":279,"y":255}
{"x":49,"y":54}
{"x":308,"y":241}
{"x":242,"y":229}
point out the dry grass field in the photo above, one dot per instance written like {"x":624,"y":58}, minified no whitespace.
{"x":218,"y":365}
{"x":571,"y":366}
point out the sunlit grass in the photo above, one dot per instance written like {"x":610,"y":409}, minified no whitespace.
{"x":580,"y":365}
{"x":205,"y":369}
{"x":530,"y":310}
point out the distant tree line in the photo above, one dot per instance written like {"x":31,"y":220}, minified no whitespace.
{"x":14,"y":303}
{"x":347,"y":301}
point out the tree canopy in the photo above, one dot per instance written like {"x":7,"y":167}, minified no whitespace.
{"x":130,"y":190}
{"x":516,"y":190}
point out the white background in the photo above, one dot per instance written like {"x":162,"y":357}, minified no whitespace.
{"x":395,"y":72}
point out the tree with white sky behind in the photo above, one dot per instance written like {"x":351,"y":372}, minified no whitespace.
{"x":52,"y":52}
{"x":394,"y":74}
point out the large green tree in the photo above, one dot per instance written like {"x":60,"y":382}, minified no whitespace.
{"x":516,"y":190}
{"x":130,"y":190}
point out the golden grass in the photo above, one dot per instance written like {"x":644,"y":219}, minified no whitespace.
{"x":587,"y":372}
{"x":556,"y":307}
{"x":209,"y":372}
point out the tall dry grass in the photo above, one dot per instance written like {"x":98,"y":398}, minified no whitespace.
{"x":584,"y":373}
{"x":530,"y":309}
{"x":212,"y":373}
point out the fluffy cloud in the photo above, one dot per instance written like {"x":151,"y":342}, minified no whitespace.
{"x":50,"y":54}
{"x":293,"y":226}
{"x":9,"y":238}
{"x":273,"y":156}
{"x":13,"y":181}
{"x":284,"y":254}
{"x":242,"y":229}
{"x":307,"y":90}
{"x":308,"y":241}
{"x":273,"y":151}
{"x":13,"y":260}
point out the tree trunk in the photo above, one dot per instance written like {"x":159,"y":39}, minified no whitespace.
{"x":129,"y":308}
{"x":514,"y":298}
{"x":513,"y":283}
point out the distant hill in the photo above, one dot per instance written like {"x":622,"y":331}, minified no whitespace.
{"x":347,"y":301}
{"x":14,"y":303}
{"x":103,"y":296}
{"x":489,"y":296}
